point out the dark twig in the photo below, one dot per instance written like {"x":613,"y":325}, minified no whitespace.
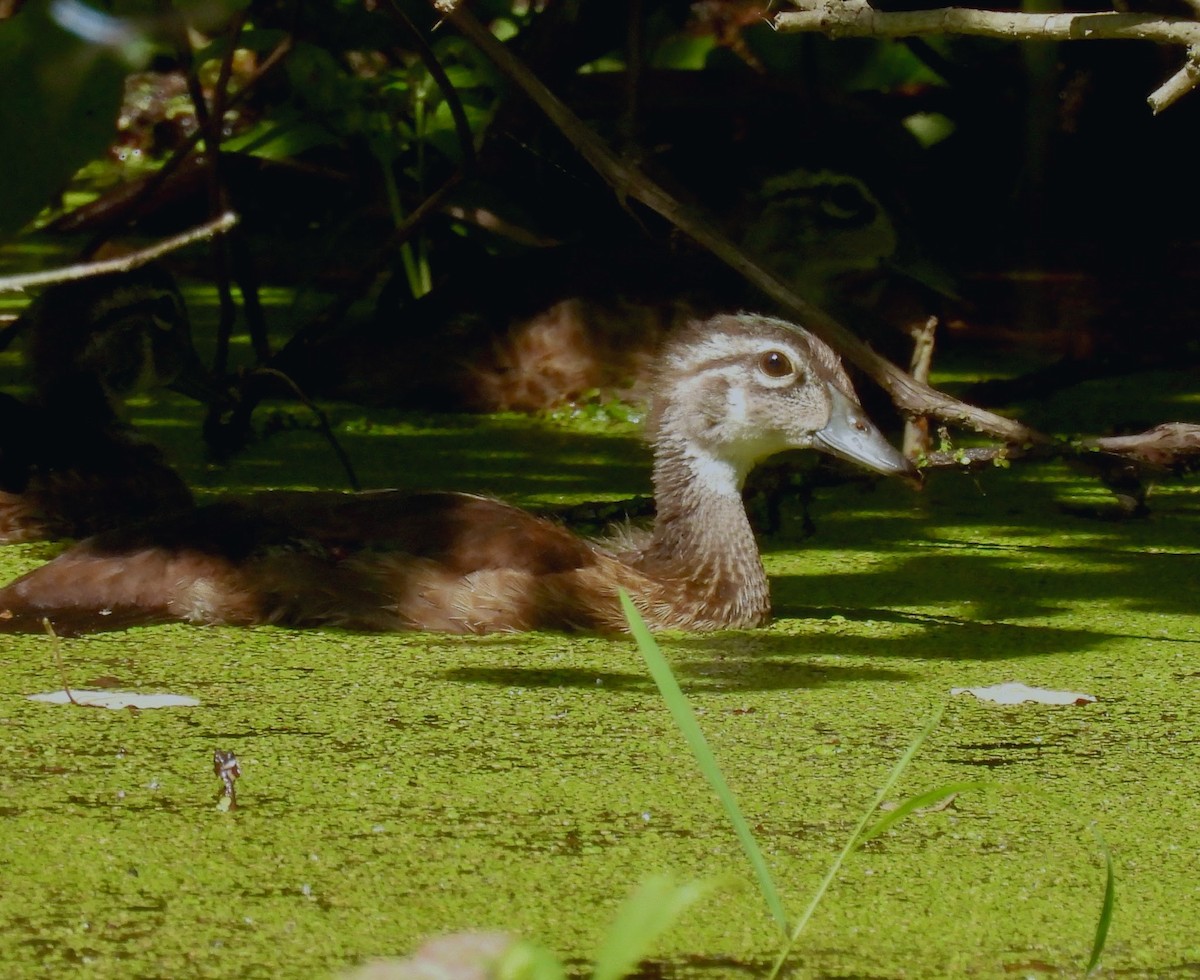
{"x":322,"y":421}
{"x":1168,"y":446}
{"x":462,"y":128}
{"x":635,"y":60}
{"x":985,"y":457}
{"x":236,"y":258}
{"x":209,"y":125}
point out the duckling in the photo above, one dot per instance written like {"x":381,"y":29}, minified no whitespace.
{"x":69,"y":465}
{"x":729,"y":391}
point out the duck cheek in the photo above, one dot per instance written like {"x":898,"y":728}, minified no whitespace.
{"x":799,"y":438}
{"x":719,"y":420}
{"x":808,"y":418}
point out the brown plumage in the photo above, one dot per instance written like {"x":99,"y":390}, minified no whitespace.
{"x":69,"y":465}
{"x":728,"y":393}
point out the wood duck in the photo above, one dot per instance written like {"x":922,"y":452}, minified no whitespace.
{"x":69,"y":465}
{"x":728,"y":392}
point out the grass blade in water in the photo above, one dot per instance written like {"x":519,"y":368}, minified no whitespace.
{"x":1106,"y":906}
{"x":646,"y":914}
{"x":914,"y":803}
{"x":685,"y":720}
{"x":856,"y":837}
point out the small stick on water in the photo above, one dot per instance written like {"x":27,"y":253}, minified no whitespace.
{"x":56,"y":650}
{"x":225,"y":768}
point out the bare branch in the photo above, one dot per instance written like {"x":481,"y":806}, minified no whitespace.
{"x":916,"y":428}
{"x":122,"y":263}
{"x":1170,"y":444}
{"x":1179,"y":84}
{"x":322,"y":422}
{"x":857,"y":18}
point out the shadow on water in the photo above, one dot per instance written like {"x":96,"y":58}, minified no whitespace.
{"x":538,"y":677}
{"x":1008,"y":553}
{"x":709,"y":677}
{"x":1008,"y":588}
{"x":963,"y":641}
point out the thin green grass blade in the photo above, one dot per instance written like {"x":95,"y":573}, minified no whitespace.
{"x":1107,"y":906}
{"x":685,"y":720}
{"x":652,"y":909}
{"x":527,"y":961}
{"x":913,"y":803}
{"x":1108,"y":901}
{"x":856,"y":837}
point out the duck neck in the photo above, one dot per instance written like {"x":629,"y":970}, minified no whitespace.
{"x":702,"y":538}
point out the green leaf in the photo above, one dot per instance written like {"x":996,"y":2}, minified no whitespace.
{"x":682,"y":52}
{"x":685,"y":721}
{"x":463,"y":76}
{"x":652,"y":909}
{"x":280,"y":140}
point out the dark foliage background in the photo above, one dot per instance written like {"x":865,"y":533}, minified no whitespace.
{"x":1022,"y":193}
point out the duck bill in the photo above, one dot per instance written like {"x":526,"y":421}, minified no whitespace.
{"x":852,"y":436}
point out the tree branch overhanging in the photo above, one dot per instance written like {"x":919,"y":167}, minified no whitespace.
{"x":912,"y":396}
{"x":1166,"y":445}
{"x":857,"y":18}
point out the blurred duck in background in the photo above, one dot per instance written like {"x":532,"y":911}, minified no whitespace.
{"x":69,"y":464}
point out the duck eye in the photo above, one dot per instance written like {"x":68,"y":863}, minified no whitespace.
{"x":776,"y":364}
